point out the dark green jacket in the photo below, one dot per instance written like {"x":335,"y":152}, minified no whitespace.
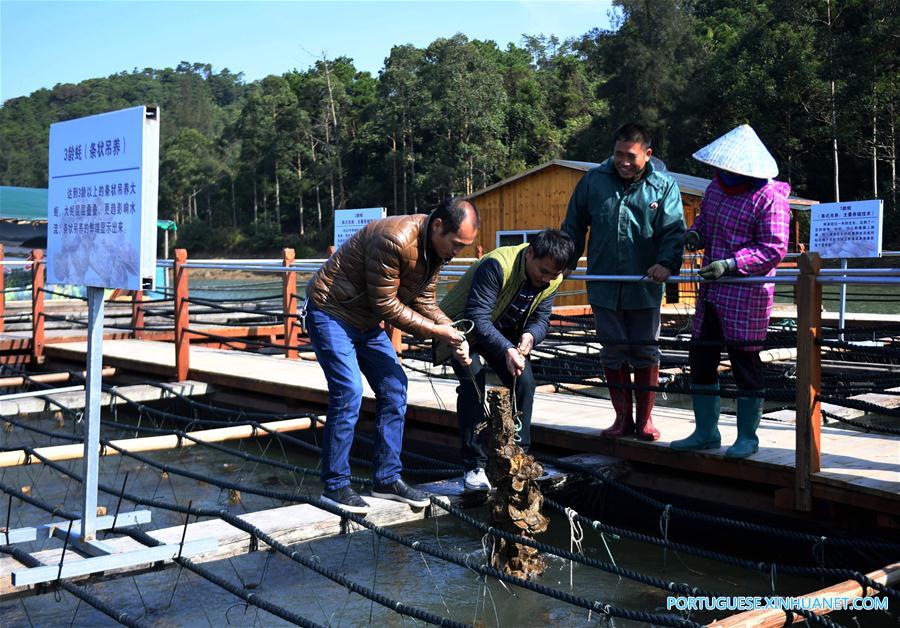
{"x":493,"y":295}
{"x":631,"y":229}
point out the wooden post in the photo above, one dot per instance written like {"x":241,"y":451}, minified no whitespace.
{"x":2,"y":293}
{"x":182,"y":339}
{"x":37,"y":305}
{"x":809,"y":379}
{"x":137,"y":314}
{"x":289,"y":307}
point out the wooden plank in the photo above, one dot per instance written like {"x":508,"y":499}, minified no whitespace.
{"x":75,"y":400}
{"x":156,"y":443}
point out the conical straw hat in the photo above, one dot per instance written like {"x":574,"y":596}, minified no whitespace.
{"x":740,"y":151}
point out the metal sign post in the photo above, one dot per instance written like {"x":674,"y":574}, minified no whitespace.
{"x":842,"y":310}
{"x":102,"y":207}
{"x":92,"y":413}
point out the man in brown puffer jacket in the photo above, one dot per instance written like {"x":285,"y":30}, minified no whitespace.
{"x":387,"y":271}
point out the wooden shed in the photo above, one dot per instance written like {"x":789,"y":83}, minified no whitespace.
{"x":533,"y":200}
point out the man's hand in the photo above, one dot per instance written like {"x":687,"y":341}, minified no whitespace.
{"x":717,"y":268}
{"x":526,"y":343}
{"x":462,"y":354}
{"x":658,"y":273}
{"x":515,"y":362}
{"x":692,"y":241}
{"x":448,"y":335}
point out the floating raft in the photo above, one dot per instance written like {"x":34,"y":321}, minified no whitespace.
{"x":858,"y":469}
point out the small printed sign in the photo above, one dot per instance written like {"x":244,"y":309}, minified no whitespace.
{"x":349,"y":221}
{"x":102,"y":200}
{"x":847,"y":230}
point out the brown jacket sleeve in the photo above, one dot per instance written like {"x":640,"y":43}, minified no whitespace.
{"x":383,"y":282}
{"x":426,"y":305}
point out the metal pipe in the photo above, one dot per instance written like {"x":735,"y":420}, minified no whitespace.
{"x":875,"y":276}
{"x":850,"y":272}
{"x":871,"y":281}
{"x":41,"y":393}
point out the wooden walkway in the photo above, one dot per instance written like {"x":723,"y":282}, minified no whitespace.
{"x":857,"y":469}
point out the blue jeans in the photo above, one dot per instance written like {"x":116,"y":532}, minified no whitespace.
{"x":345,"y":353}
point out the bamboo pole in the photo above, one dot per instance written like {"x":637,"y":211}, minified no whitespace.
{"x":772,"y":618}
{"x":809,"y":380}
{"x":48,"y":378}
{"x":154,"y":443}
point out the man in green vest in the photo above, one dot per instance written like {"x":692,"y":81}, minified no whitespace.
{"x":508,"y":296}
{"x":636,"y":222}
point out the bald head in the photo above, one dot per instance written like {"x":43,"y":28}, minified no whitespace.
{"x":455,"y":210}
{"x":454,"y":225}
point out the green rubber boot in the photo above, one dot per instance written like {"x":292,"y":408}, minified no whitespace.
{"x":749,"y":413}
{"x":706,"y":418}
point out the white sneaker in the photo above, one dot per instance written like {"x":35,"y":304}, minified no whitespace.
{"x":476,"y":480}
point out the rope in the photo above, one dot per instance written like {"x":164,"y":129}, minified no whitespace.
{"x":868,"y":427}
{"x":576,"y":536}
{"x":875,"y":546}
{"x":678,"y":588}
{"x":254,"y":531}
{"x":454,"y":557}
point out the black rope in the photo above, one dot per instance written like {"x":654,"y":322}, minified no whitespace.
{"x":672,"y":587}
{"x":236,"y":590}
{"x":875,"y":546}
{"x":760,"y":567}
{"x":252,"y":530}
{"x":867,"y":427}
{"x":459,"y":559}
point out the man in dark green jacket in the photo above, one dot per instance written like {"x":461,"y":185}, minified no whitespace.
{"x":508,"y":296}
{"x":636,"y":224}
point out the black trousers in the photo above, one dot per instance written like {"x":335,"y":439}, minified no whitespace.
{"x":704,"y":360}
{"x":470,"y":411}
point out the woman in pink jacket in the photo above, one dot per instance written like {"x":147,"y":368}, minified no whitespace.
{"x":743,"y":229}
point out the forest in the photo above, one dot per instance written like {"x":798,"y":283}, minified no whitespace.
{"x":254,"y":166}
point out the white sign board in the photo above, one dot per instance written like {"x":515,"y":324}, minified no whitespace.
{"x":349,"y":221}
{"x":101,"y":222}
{"x":846,"y":230}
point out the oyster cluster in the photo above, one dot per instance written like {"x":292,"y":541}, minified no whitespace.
{"x":516,"y":504}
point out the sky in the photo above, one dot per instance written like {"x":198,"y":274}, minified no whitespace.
{"x":43,"y":43}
